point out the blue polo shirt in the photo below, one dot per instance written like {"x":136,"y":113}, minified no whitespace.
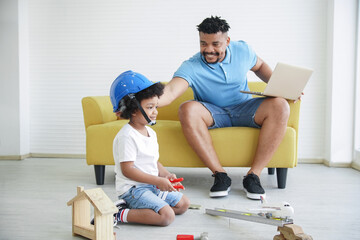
{"x":220,"y":83}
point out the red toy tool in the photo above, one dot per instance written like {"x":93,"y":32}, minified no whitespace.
{"x":184,"y":237}
{"x":178,"y":187}
{"x":176,"y":180}
{"x":204,"y":236}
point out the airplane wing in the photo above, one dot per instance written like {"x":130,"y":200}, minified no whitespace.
{"x":263,"y":210}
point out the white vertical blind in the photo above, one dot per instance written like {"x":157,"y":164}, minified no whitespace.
{"x":77,"y":48}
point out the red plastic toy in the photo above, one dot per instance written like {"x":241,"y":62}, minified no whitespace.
{"x":176,"y":180}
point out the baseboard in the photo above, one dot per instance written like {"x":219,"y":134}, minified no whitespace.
{"x":339,"y":165}
{"x":311,"y":160}
{"x":57,"y":155}
{"x":42,"y":155}
{"x":15,"y":157}
{"x":329,"y":164}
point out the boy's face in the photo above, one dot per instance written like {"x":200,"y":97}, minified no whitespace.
{"x":213,"y":46}
{"x":150,"y":107}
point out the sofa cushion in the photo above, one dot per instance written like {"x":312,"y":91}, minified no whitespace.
{"x":235,"y":146}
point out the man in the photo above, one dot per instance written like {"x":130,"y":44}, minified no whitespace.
{"x":216,"y":75}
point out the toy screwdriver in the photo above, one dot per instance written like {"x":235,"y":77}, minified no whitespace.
{"x":204,"y":236}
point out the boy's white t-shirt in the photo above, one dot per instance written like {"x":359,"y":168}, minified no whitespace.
{"x":130,"y":145}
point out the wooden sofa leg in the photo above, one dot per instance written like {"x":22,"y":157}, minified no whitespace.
{"x":281,"y":174}
{"x":271,"y":171}
{"x":99,"y":174}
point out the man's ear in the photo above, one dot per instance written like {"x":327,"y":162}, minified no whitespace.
{"x":227,"y":41}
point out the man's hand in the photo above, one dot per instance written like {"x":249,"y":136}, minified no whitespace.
{"x":299,"y":98}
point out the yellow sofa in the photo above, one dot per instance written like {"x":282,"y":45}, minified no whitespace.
{"x":235,"y":146}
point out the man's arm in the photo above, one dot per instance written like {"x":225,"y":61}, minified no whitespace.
{"x":262,"y":70}
{"x":173,"y":89}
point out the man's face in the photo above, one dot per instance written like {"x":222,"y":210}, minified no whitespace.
{"x":213,"y":46}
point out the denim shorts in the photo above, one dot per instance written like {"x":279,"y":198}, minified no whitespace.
{"x":241,"y":115}
{"x":150,"y":197}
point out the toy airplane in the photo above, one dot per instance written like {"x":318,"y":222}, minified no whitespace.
{"x":272,"y":214}
{"x":274,"y":210}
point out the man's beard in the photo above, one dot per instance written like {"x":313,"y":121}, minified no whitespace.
{"x":211,"y":54}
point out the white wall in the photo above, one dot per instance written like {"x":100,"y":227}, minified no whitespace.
{"x":77,"y":48}
{"x":9,"y":79}
{"x":24,"y":85}
{"x":356,"y":162}
{"x":14,"y":79}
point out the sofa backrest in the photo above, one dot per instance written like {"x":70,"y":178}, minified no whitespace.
{"x":98,"y":109}
{"x":170,"y":112}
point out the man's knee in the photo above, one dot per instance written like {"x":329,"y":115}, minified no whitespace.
{"x":191,"y":111}
{"x":280,"y":109}
{"x":187,"y":109}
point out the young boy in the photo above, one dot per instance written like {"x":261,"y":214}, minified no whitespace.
{"x":141,"y":180}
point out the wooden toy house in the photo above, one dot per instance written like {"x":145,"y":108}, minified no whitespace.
{"x":104,"y":210}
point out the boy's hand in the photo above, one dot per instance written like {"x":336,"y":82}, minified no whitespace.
{"x":165,"y":185}
{"x":171,"y":176}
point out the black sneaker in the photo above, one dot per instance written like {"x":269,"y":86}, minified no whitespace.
{"x":221,"y":185}
{"x":120,"y":204}
{"x":252,"y":187}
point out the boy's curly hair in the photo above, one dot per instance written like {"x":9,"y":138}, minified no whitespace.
{"x":213,"y":25}
{"x":156,"y":89}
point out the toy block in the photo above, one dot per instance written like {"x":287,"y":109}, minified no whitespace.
{"x":293,"y":232}
{"x":279,"y":237}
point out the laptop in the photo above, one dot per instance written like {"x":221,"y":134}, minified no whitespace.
{"x":286,"y":81}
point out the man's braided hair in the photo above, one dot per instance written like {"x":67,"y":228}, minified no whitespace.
{"x":213,"y":25}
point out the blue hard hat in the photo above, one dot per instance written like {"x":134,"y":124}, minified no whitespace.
{"x":126,"y":83}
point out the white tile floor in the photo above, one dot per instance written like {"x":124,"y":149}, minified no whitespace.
{"x":34,"y":193}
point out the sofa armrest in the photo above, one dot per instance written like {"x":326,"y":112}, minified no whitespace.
{"x":294,"y":107}
{"x":294,"y":114}
{"x":97,"y":110}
